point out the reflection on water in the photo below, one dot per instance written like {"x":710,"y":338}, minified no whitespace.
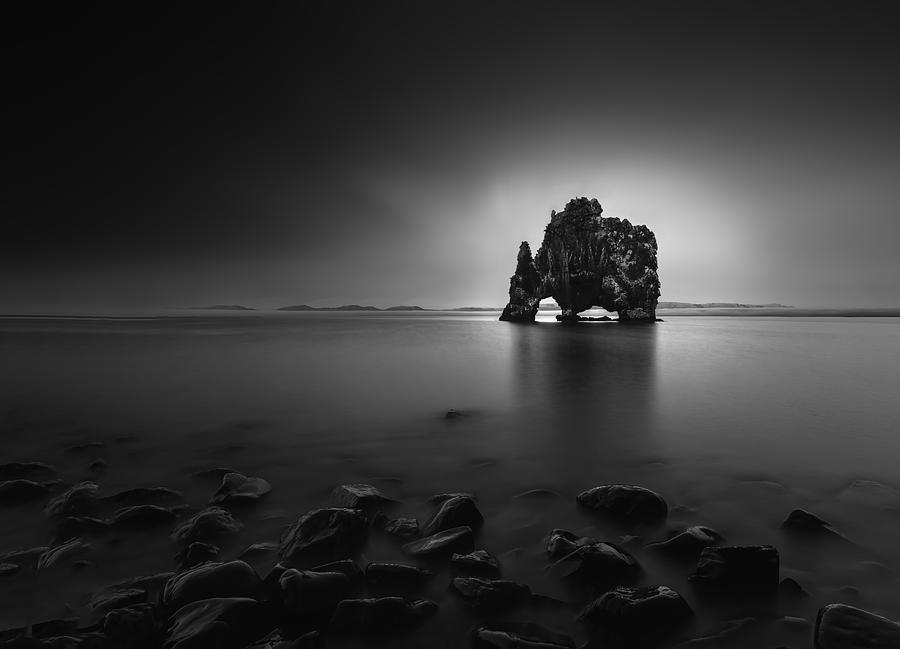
{"x":734,"y":420}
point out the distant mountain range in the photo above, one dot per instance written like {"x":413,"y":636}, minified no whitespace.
{"x":543,"y":307}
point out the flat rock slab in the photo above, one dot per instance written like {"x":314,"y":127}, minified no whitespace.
{"x":840,"y":626}
{"x":626,"y":503}
{"x":211,"y":523}
{"x":457,"y":539}
{"x":325,"y":534}
{"x":236,"y":487}
{"x":359,"y":496}
{"x":455,"y":512}
{"x":739,"y":569}
{"x":639,"y":612}
{"x":519,"y":635}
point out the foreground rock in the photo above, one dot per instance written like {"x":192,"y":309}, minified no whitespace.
{"x":223,"y":623}
{"x":519,"y":635}
{"x":325,"y":535}
{"x":738,"y":570}
{"x":237,"y":487}
{"x":648,"y":611}
{"x":209,"y":524}
{"x":587,"y":260}
{"x":687,"y":544}
{"x":839,"y":626}
{"x":625,"y":503}
{"x":359,"y":496}
{"x":397,"y":577}
{"x":560,"y":543}
{"x":480,"y":563}
{"x":381,"y":614}
{"x":457,"y":539}
{"x":457,"y":511}
{"x":403,"y":528}
{"x":231,"y":579}
{"x":80,"y":500}
{"x":134,"y":627}
{"x":310,"y":597}
{"x":598,"y":563}
{"x":491,"y":595}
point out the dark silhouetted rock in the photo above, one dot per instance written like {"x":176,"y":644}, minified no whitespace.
{"x":24,"y":556}
{"x":9,"y":569}
{"x":790,"y":590}
{"x":598,"y":563}
{"x":80,"y":500}
{"x":359,"y":496}
{"x":68,"y":551}
{"x":162,"y":496}
{"x":560,"y":543}
{"x":325,"y":535}
{"x":491,"y":595}
{"x":479,"y":563}
{"x":108,"y":600}
{"x":196,"y":553}
{"x":404,"y":528}
{"x":134,"y":627}
{"x":237,"y":487}
{"x":389,"y":577}
{"x":345,"y":566}
{"x":141,"y":517}
{"x":731,"y":633}
{"x":222,"y":623}
{"x":802,"y":524}
{"x":381,"y":614}
{"x":537,"y":494}
{"x":208,"y":580}
{"x":98,"y":466}
{"x":457,"y":539}
{"x":840,"y":626}
{"x":310,"y":597}
{"x":519,"y":635}
{"x":19,"y":491}
{"x":210,"y":523}
{"x":258,"y":549}
{"x":455,"y":512}
{"x":73,"y":526}
{"x":625,"y":503}
{"x":739,"y":570}
{"x":689,"y":543}
{"x":587,"y":260}
{"x":437,"y":499}
{"x":27,"y":471}
{"x":646,"y":611}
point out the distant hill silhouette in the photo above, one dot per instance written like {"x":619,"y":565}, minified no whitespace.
{"x":224,"y":307}
{"x":406,"y":308}
{"x":345,"y":307}
{"x":719,"y":305}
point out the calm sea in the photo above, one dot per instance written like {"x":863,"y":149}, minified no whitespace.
{"x":735,"y":421}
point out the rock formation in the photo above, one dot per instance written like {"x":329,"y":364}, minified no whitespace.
{"x":587,"y":260}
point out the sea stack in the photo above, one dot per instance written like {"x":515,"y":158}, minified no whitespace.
{"x":587,"y":260}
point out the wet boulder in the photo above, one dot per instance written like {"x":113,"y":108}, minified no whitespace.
{"x":491,"y":595}
{"x":560,"y":543}
{"x":209,"y":580}
{"x":210,"y":523}
{"x":236,"y":487}
{"x":20,"y":491}
{"x":73,"y":526}
{"x":457,"y":539}
{"x":388,"y":578}
{"x":380,"y":614}
{"x":134,"y":627}
{"x":69,"y":551}
{"x":196,"y":553}
{"x":480,"y":563}
{"x":840,"y":626}
{"x":687,"y":544}
{"x":804,"y":525}
{"x":598,"y":563}
{"x":310,"y":597}
{"x":738,"y":570}
{"x":638,"y":612}
{"x":223,"y":623}
{"x":114,"y":598}
{"x":142,"y":517}
{"x":80,"y":500}
{"x":359,"y":496}
{"x":519,"y":635}
{"x":627,"y":504}
{"x":9,"y":569}
{"x":455,"y":512}
{"x":27,"y":471}
{"x":325,"y":534}
{"x":403,"y":528}
{"x":162,"y":496}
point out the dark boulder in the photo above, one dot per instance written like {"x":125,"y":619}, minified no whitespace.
{"x":162,"y":496}
{"x":802,"y":524}
{"x":142,"y":517}
{"x":519,"y":635}
{"x":840,"y":626}
{"x":687,"y":544}
{"x":74,"y":526}
{"x":114,"y":598}
{"x":310,"y":597}
{"x":381,"y":614}
{"x":20,"y":491}
{"x":391,"y":578}
{"x":66,"y":552}
{"x":457,"y":539}
{"x":209,"y":580}
{"x":208,"y":524}
{"x":325,"y":535}
{"x":237,"y":487}
{"x":625,"y":503}
{"x":359,"y":496}
{"x":220,"y":623}
{"x":479,"y":563}
{"x":197,"y":553}
{"x":455,"y":512}
{"x":560,"y":543}
{"x":80,"y":500}
{"x":403,"y":528}
{"x":491,"y":595}
{"x":738,"y":570}
{"x":646,"y":611}
{"x":27,"y":471}
{"x":135,"y":627}
{"x":602,"y":564}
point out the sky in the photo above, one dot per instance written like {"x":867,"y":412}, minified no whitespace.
{"x":389,"y":153}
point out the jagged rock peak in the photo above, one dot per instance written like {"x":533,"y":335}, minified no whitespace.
{"x":586,"y":260}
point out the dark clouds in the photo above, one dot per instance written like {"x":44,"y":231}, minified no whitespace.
{"x":397,"y":152}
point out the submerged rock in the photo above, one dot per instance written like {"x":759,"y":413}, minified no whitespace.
{"x":689,"y":543}
{"x":598,"y":563}
{"x":134,"y":627}
{"x":639,"y":612}
{"x":479,"y":563}
{"x":141,"y":517}
{"x":237,"y":487}
{"x":404,"y":528}
{"x":111,"y":599}
{"x":359,"y":496}
{"x":66,"y":552}
{"x":731,"y":633}
{"x":396,"y":576}
{"x":455,"y":512}
{"x":310,"y":596}
{"x":224,"y":623}
{"x":802,"y":524}
{"x":840,"y":626}
{"x":26,"y":470}
{"x":380,"y":614}
{"x":587,"y":260}
{"x":519,"y":635}
{"x":73,"y":526}
{"x":325,"y":534}
{"x":19,"y":491}
{"x":232,"y":579}
{"x":626,"y":503}
{"x":80,"y":500}
{"x":457,"y":539}
{"x":560,"y":543}
{"x":196,"y":553}
{"x":9,"y":569}
{"x":210,"y":523}
{"x":162,"y":496}
{"x":491,"y":595}
{"x":739,"y":570}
